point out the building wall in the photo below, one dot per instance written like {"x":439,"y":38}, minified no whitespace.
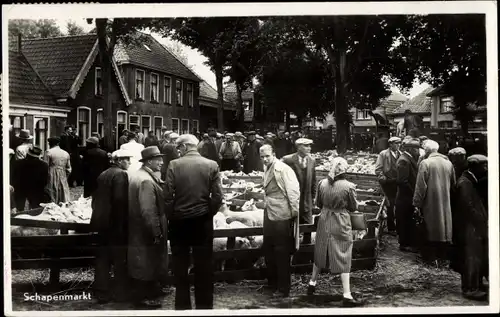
{"x":167,"y":111}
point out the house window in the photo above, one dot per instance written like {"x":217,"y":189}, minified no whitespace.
{"x":83,"y":123}
{"x":133,"y":123}
{"x":98,"y":81}
{"x":146,"y":124}
{"x":41,"y":132}
{"x":17,"y":124}
{"x":446,"y":105}
{"x":157,"y":127}
{"x":190,"y":95}
{"x":185,"y":126}
{"x":154,"y":87}
{"x":139,"y":84}
{"x":362,"y":114}
{"x":121,"y":124}
{"x":445,"y":124}
{"x":178,"y":92}
{"x":167,"y":90}
{"x":100,"y":122}
{"x":196,"y":125}
{"x":175,"y":125}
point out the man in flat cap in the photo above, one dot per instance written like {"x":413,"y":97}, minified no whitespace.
{"x":193,"y":195}
{"x":230,"y":154}
{"x":251,"y":153}
{"x":169,"y":151}
{"x":435,"y":181}
{"x":304,"y":165}
{"x":95,"y":161}
{"x":387,"y":172}
{"x":110,"y":221}
{"x":135,"y":148}
{"x":147,"y":230}
{"x":207,"y":147}
{"x":165,"y":139}
{"x":407,"y":171}
{"x":474,"y":230}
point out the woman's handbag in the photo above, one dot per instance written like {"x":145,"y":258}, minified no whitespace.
{"x":358,"y":221}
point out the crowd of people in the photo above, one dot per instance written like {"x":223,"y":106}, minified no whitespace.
{"x":150,"y":193}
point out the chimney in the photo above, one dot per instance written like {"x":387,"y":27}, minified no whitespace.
{"x":19,"y":43}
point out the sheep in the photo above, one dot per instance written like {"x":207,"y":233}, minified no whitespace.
{"x":220,"y":221}
{"x":21,"y":231}
{"x":251,"y":218}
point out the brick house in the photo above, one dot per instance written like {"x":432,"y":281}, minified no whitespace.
{"x":209,"y":105}
{"x":420,"y":104}
{"x":163,"y":91}
{"x":69,"y":68}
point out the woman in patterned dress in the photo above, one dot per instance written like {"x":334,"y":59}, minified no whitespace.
{"x":59,"y":169}
{"x":333,"y":248}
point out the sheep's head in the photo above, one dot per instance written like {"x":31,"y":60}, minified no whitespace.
{"x":249,"y":205}
{"x":243,"y":243}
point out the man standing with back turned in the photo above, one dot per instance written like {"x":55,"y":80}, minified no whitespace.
{"x":193,"y":194}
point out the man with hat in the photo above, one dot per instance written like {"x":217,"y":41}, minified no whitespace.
{"x":281,"y":144}
{"x":147,"y":229}
{"x":164,"y":139}
{"x":70,"y":143}
{"x":151,"y":139}
{"x":304,"y":165}
{"x":31,"y":176}
{"x":95,"y":161}
{"x":218,"y":143}
{"x":230,"y":154}
{"x":474,"y":229}
{"x":435,"y":180}
{"x":252,"y":161}
{"x":387,"y":172}
{"x":123,"y":138}
{"x":110,"y":221}
{"x":135,"y":149}
{"x":407,"y":171}
{"x":207,"y":147}
{"x":59,"y":170}
{"x":169,"y":151}
{"x":26,"y":140}
{"x":193,"y":195}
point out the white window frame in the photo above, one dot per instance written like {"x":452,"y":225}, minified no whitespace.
{"x":142,"y":127}
{"x":362,"y":114}
{"x":143,"y":85}
{"x":23,"y":121}
{"x":100,"y":110}
{"x":157,"y":97}
{"x":190,"y":94}
{"x":167,"y":98}
{"x":89,"y":132}
{"x":35,"y":117}
{"x":126,"y":124}
{"x":197,"y":125}
{"x":181,"y":103}
{"x":187,"y":130}
{"x":155,"y":127}
{"x":178,"y":125}
{"x":444,"y":100}
{"x":95,"y":81}
{"x":129,"y":121}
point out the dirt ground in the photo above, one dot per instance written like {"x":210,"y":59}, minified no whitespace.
{"x":399,"y":280}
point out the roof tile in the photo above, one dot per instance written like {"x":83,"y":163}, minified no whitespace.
{"x":418,"y":104}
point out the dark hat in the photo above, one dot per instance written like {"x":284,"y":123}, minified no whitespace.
{"x":252,"y":133}
{"x":212,"y":134}
{"x":54,"y":139}
{"x":25,"y":135}
{"x":92,"y":140}
{"x":477,"y":158}
{"x":413,"y":143}
{"x":34,"y":151}
{"x":150,"y":152}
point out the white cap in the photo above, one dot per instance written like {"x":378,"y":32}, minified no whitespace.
{"x":304,"y":141}
{"x":121,"y":153}
{"x":174,"y":135}
{"x":395,"y":139}
{"x":187,"y":139}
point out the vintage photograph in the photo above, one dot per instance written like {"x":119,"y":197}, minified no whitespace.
{"x":238,"y":161}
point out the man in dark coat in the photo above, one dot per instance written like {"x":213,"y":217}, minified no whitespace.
{"x":70,"y":143}
{"x":208,"y":149}
{"x":14,"y":141}
{"x":110,"y":220}
{"x":252,"y":161}
{"x":151,"y":139}
{"x":407,"y":171}
{"x":123,"y":138}
{"x":95,"y":161}
{"x":281,"y":145}
{"x":31,"y":176}
{"x":387,"y":172}
{"x":193,"y":194}
{"x":475,"y":229}
{"x":169,"y":152}
{"x":304,"y":167}
{"x":147,"y":256}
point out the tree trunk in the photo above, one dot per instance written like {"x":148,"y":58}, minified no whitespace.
{"x":106,"y":69}
{"x":241,"y":110}
{"x":220,"y":97}
{"x":341,"y":107}
{"x":287,"y":120}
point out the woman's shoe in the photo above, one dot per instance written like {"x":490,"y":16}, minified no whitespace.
{"x":351,"y":302}
{"x":311,"y":289}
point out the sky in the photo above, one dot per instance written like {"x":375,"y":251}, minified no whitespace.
{"x":196,"y":59}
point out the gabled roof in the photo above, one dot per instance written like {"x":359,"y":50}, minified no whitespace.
{"x":418,"y":104}
{"x":64,"y":62}
{"x":207,"y":91}
{"x":230,"y":92}
{"x":25,"y":85}
{"x":153,"y":55}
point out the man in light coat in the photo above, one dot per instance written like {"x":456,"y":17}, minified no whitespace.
{"x":386,"y":171}
{"x":435,"y":180}
{"x":281,"y":229}
{"x":109,"y":220}
{"x":147,"y":230}
{"x":304,"y":165}
{"x":230,"y":154}
{"x":135,"y":148}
